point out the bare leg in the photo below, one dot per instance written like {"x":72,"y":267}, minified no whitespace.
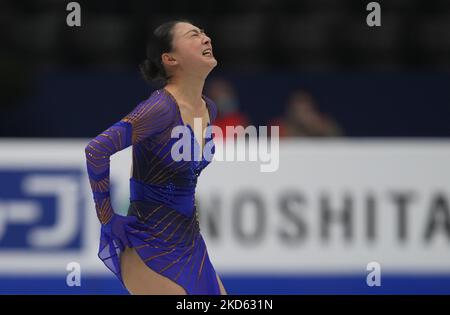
{"x":222,"y":288}
{"x":141,"y":280}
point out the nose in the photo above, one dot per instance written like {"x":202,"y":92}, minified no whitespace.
{"x":206,"y":39}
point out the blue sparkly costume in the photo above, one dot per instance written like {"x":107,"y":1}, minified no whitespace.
{"x":162,"y":223}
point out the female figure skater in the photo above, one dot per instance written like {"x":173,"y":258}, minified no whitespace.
{"x":158,"y":248}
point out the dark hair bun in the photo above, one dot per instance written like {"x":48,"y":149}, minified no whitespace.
{"x":151,"y":71}
{"x":160,"y":42}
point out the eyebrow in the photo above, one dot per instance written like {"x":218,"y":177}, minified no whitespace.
{"x":195,"y":30}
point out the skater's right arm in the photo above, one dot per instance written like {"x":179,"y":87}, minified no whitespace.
{"x":148,"y":118}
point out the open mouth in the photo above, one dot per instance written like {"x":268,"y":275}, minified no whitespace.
{"x":207,"y":52}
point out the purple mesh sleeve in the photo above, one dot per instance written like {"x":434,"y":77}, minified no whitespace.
{"x":147,"y":118}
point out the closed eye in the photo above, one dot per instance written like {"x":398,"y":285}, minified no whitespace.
{"x":196,"y":32}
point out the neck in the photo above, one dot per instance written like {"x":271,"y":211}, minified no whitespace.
{"x":187,"y":90}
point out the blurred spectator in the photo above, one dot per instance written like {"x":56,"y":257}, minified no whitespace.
{"x":224,"y":95}
{"x":302,"y":118}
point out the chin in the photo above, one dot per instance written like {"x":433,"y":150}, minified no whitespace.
{"x":205,"y":67}
{"x":210,"y":64}
{"x":213,"y":61}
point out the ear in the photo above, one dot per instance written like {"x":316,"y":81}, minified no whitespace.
{"x":168,"y":59}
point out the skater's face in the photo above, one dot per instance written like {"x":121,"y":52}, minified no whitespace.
{"x":191,"y":50}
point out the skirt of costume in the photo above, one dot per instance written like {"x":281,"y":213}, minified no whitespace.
{"x":167,"y":239}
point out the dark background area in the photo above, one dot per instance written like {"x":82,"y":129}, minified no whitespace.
{"x":388,"y":81}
